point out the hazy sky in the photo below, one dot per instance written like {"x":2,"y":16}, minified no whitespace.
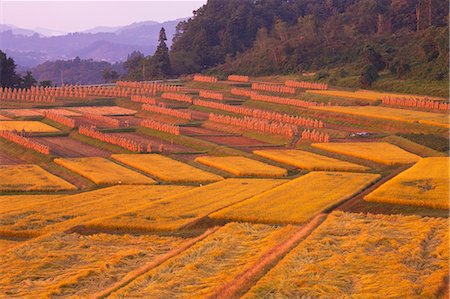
{"x":71,"y":16}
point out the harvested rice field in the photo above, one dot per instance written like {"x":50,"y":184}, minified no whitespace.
{"x":157,"y":144}
{"x":104,"y":172}
{"x":234,"y":141}
{"x":28,"y":126}
{"x":363,"y":256}
{"x":21,"y":112}
{"x":241,"y":166}
{"x":67,"y":147}
{"x":380,"y":152}
{"x":424,"y":184}
{"x":411,"y":116}
{"x":167,"y":169}
{"x":28,"y":177}
{"x":366,"y":94}
{"x":298,"y":200}
{"x":103,"y":110}
{"x":6,"y":159}
{"x":308,"y":160}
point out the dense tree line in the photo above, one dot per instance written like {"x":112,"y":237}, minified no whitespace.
{"x":404,"y":37}
{"x":51,"y":73}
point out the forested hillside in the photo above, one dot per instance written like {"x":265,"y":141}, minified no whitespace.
{"x":404,"y":39}
{"x":77,"y":71}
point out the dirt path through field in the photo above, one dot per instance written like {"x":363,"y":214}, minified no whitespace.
{"x":248,"y":277}
{"x":6,"y":159}
{"x":360,"y":196}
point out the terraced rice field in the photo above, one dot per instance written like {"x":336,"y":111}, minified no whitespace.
{"x":185,"y":209}
{"x":167,"y":169}
{"x":365,"y":94}
{"x":26,"y":125}
{"x":67,"y":147}
{"x":363,"y":256}
{"x":199,"y":271}
{"x":241,"y":166}
{"x":308,"y":160}
{"x":403,"y":115}
{"x":25,"y":201}
{"x":103,"y":171}
{"x":22,"y":112}
{"x":28,"y":177}
{"x":103,"y":110}
{"x":424,"y":184}
{"x":235,"y":141}
{"x":168,"y":147}
{"x":79,"y":265}
{"x":6,"y":159}
{"x":59,"y":214}
{"x":298,"y":200}
{"x":86,"y":220}
{"x":380,"y":152}
{"x":37,"y":112}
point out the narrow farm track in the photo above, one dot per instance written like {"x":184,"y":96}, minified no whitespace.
{"x":360,"y":196}
{"x":6,"y":159}
{"x":142,"y":270}
{"x":248,"y":277}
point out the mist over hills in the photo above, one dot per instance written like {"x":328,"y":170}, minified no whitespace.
{"x":111,"y":44}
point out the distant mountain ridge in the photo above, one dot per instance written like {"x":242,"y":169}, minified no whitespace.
{"x":112,"y":44}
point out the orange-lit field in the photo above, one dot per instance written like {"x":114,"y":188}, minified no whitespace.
{"x":352,"y":204}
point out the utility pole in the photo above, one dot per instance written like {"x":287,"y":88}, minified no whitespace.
{"x":62,"y":77}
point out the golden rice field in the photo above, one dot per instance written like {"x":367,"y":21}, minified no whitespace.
{"x":104,"y":171}
{"x":365,"y":94}
{"x":363,"y":256}
{"x":30,"y":178}
{"x":380,"y":152}
{"x":103,"y":110}
{"x":179,"y":211}
{"x":22,"y":201}
{"x":72,"y":210}
{"x":72,"y":265}
{"x":241,"y":166}
{"x":26,"y":125}
{"x":167,"y":169}
{"x":169,"y":225}
{"x":308,"y":160}
{"x":424,"y":184}
{"x":199,"y":271}
{"x":6,"y":244}
{"x":298,"y":200}
{"x":403,"y":115}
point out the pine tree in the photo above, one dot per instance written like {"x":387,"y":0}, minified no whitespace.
{"x":160,"y":62}
{"x":8,"y":76}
